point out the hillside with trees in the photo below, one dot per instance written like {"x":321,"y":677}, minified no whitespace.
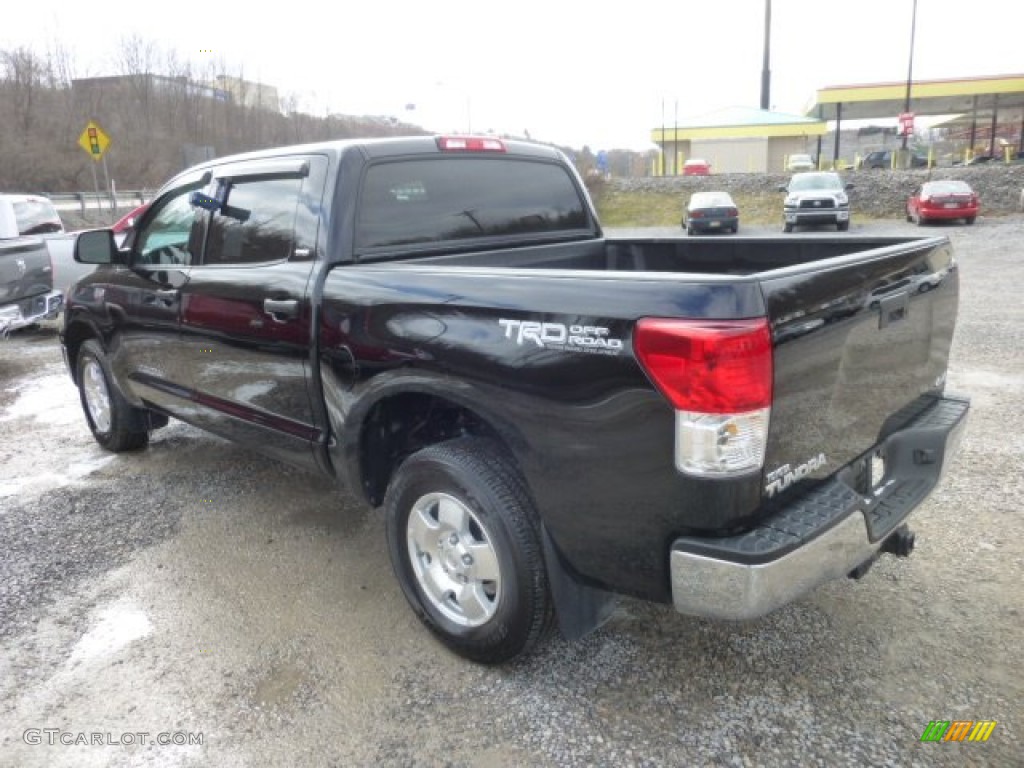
{"x":158,"y":111}
{"x":162,"y":115}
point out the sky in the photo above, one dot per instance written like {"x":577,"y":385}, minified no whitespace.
{"x":601,"y":75}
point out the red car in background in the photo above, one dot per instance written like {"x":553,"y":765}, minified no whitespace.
{"x":127,"y":221}
{"x":696,"y":166}
{"x":943,"y":200}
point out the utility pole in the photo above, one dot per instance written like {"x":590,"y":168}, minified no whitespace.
{"x":766,"y":73}
{"x":910,"y":69}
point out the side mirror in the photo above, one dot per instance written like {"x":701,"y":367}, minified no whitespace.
{"x":849,"y":185}
{"x":783,"y":188}
{"x":96,"y":246}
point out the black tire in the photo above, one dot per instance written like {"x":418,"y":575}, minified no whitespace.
{"x":910,"y":216}
{"x":842,"y":226}
{"x":736,"y":229}
{"x":787,"y":227}
{"x":467,"y":494}
{"x":969,"y":220}
{"x":113,"y":422}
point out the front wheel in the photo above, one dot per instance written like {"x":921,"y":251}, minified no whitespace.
{"x":465,"y":546}
{"x":113,"y":422}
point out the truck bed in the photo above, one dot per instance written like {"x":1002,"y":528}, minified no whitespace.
{"x":861,"y":329}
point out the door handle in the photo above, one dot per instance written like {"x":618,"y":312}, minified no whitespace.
{"x":281,"y":309}
{"x":167,"y":294}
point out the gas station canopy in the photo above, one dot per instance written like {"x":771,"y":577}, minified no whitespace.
{"x":980,"y":95}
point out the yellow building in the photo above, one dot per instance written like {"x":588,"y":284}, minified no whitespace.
{"x":736,"y":140}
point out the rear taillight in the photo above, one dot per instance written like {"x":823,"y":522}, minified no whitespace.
{"x":733,"y":212}
{"x":718,"y":377}
{"x":469,"y":144}
{"x":696,"y":214}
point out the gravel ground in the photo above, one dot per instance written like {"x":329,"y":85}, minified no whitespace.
{"x":198,"y":588}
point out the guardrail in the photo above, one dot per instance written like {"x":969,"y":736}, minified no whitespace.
{"x":85,"y":203}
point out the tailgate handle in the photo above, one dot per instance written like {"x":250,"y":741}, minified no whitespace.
{"x":281,"y":309}
{"x":892,"y":309}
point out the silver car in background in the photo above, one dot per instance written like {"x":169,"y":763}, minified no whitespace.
{"x":816,"y":198}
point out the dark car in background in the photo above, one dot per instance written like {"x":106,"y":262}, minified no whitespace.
{"x":883,"y":158}
{"x":711,"y":212}
{"x":943,"y":200}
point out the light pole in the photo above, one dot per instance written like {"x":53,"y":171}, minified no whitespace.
{"x":910,"y":70}
{"x":766,"y":72}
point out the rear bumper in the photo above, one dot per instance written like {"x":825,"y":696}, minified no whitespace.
{"x":714,"y":225}
{"x":824,"y":534}
{"x":948,"y":213}
{"x":45,"y":306}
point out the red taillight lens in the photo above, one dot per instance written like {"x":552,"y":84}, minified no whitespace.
{"x":469,"y":144}
{"x":708,"y":366}
{"x":696,"y":214}
{"x":733,"y":212}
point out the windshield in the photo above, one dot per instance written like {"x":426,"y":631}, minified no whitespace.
{"x":814,"y":181}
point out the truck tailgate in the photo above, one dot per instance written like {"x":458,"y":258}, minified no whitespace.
{"x":24,"y":269}
{"x":861,"y":346}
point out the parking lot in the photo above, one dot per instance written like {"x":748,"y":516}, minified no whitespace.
{"x":199,"y":590}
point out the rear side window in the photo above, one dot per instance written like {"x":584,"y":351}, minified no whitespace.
{"x":256,"y":223}
{"x":414,"y":202}
{"x":37,"y":217}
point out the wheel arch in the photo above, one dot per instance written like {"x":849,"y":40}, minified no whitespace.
{"x":76,"y":333}
{"x":400,"y":423}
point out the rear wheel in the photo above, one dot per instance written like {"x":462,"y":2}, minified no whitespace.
{"x":787,"y":227}
{"x":465,"y":546}
{"x":969,"y":220}
{"x":113,"y":422}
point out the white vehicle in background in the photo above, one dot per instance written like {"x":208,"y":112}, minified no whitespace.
{"x":816,"y":198}
{"x":800,"y":163}
{"x":36,"y":216}
{"x":28,"y":290}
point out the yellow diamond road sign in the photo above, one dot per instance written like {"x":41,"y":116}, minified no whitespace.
{"x":93,"y":140}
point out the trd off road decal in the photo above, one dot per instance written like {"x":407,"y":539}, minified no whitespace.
{"x":571,"y":338}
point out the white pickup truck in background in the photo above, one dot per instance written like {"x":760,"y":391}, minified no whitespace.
{"x":37,"y":259}
{"x":29,"y":292}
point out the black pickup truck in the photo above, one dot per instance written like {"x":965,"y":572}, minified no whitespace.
{"x":547,"y":416}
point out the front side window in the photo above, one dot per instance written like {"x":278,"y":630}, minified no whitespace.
{"x":419,"y":202}
{"x":169,"y":236}
{"x":255,"y":223}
